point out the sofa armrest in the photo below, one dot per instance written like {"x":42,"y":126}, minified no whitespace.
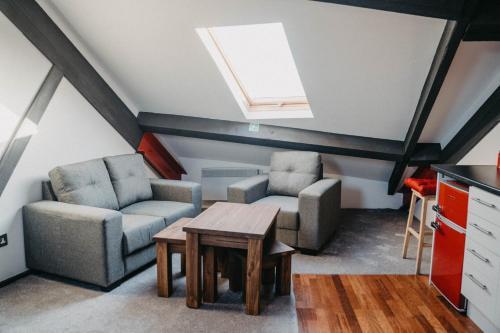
{"x":319,"y":210}
{"x":177,"y":190}
{"x":78,"y":242}
{"x":248,"y":190}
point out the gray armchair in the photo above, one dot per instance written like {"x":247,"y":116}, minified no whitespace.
{"x":310,"y":206}
{"x":97,"y":219}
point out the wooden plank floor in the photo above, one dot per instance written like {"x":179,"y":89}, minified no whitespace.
{"x":373,"y":303}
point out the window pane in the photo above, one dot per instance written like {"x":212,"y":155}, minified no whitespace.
{"x":261,"y":59}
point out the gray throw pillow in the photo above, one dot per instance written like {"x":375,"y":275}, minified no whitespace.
{"x":293,"y":171}
{"x":86,"y":183}
{"x":129,"y":179}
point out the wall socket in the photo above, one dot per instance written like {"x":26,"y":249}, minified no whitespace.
{"x":3,"y":240}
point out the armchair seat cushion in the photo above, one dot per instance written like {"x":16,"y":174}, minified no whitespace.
{"x":138,"y":231}
{"x":288,"y":216}
{"x":171,"y":211}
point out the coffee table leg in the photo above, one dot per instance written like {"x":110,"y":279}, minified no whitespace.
{"x":209,"y":275}
{"x":284,"y":275}
{"x":193,"y":277}
{"x":253,"y":280}
{"x":163,"y":269}
{"x":183,"y":264}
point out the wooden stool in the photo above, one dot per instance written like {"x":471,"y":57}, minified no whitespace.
{"x":170,"y":240}
{"x":420,"y":235}
{"x":278,"y":259}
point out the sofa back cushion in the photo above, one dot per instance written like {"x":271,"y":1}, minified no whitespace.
{"x":129,"y":179}
{"x":293,"y":171}
{"x":85,"y":183}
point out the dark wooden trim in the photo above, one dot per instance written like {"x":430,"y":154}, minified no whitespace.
{"x":483,"y":33}
{"x":425,"y":154}
{"x":480,"y":124}
{"x":485,"y":25}
{"x":271,"y":136}
{"x":37,"y":26}
{"x":14,"y":278}
{"x":444,"y":9}
{"x":447,"y":48}
{"x":16,"y":147}
{"x":284,"y":137}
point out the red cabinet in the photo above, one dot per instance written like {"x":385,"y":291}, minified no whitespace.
{"x":447,"y":262}
{"x":449,"y":241}
{"x":453,"y":200}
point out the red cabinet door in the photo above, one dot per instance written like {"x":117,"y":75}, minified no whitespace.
{"x":447,"y":262}
{"x":453,"y":202}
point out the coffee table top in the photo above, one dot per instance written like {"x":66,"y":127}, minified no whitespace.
{"x":235,"y":219}
{"x":173,"y":233}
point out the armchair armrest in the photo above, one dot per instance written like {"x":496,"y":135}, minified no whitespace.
{"x":79,"y":242}
{"x":248,"y":190}
{"x":319,"y":210}
{"x":177,"y":190}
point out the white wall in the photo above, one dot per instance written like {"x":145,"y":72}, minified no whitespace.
{"x":473,"y":76}
{"x":486,"y":151}
{"x":70,"y":131}
{"x":22,"y":70}
{"x":356,"y":192}
{"x":366,"y":193}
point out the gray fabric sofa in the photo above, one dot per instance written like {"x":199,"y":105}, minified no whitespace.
{"x":98,"y":217}
{"x":310,"y":205}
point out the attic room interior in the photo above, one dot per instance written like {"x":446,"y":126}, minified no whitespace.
{"x":250,"y":166}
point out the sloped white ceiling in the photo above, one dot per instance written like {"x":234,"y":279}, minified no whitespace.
{"x":362,"y":69}
{"x":473,"y":76}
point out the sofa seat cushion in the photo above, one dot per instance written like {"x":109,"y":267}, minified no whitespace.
{"x":293,"y":171}
{"x":85,"y":183}
{"x":171,"y":211}
{"x":288,"y":216}
{"x":138,"y":231}
{"x":129,"y":179}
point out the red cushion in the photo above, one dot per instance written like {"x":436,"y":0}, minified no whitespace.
{"x":422,"y":186}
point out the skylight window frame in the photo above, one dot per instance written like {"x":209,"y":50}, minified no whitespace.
{"x":260,"y":108}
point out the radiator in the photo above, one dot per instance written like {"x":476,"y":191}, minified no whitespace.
{"x":214,"y":181}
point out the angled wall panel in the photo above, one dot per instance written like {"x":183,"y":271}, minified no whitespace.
{"x":22,"y":70}
{"x":486,"y":151}
{"x":474,"y":75}
{"x":71,"y":130}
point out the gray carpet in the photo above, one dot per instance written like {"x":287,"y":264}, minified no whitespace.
{"x":367,"y":242}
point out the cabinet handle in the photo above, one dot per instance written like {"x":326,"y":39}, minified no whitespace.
{"x":480,"y":257}
{"x":473,"y":279}
{"x":436,"y":208}
{"x":484,"y":231}
{"x":435,"y":225}
{"x":487,"y":204}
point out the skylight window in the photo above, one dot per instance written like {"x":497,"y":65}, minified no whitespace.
{"x":258,"y":66}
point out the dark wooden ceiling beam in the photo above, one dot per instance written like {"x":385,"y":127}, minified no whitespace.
{"x":485,"y":24}
{"x":37,"y":26}
{"x":447,"y":48}
{"x":480,"y":124}
{"x":443,"y":9}
{"x":280,"y":137}
{"x":425,"y":154}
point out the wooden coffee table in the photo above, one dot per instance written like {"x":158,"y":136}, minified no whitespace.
{"x":228,"y":225}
